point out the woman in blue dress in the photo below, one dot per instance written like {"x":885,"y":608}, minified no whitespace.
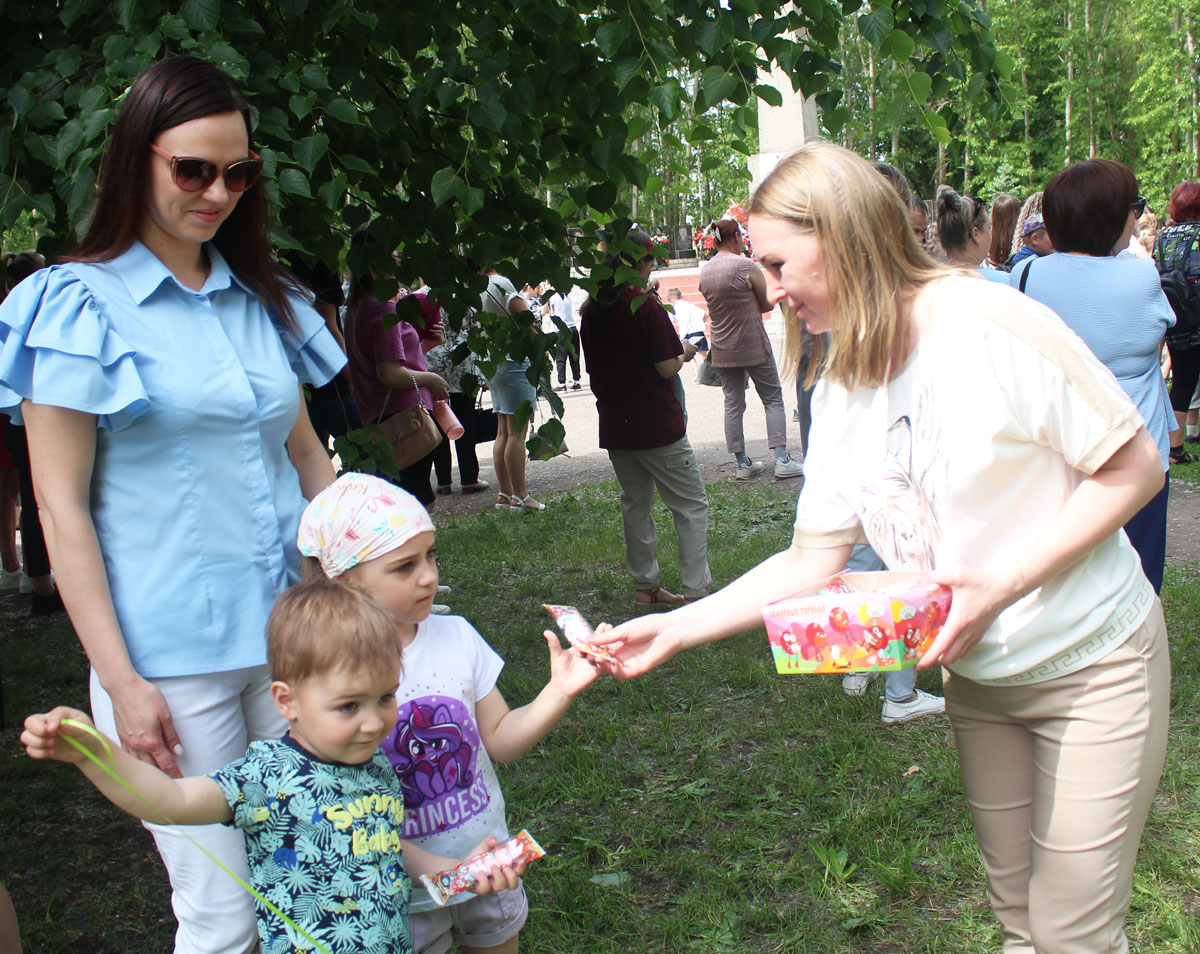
{"x":158,"y":374}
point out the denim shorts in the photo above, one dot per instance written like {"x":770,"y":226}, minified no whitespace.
{"x":510,"y":387}
{"x":486,"y":920}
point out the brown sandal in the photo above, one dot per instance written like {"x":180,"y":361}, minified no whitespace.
{"x":655,"y":597}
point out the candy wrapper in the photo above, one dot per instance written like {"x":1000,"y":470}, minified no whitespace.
{"x":579,"y":634}
{"x":445,"y":884}
{"x":857,"y":622}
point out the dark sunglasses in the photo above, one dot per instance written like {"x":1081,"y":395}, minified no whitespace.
{"x":196,"y":175}
{"x":1138,"y":205}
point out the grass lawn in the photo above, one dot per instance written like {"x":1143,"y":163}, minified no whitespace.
{"x":712,"y":806}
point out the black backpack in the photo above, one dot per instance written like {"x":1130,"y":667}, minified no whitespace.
{"x":1172,"y":255}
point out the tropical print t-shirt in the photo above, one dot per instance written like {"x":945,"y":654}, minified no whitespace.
{"x":323,"y":846}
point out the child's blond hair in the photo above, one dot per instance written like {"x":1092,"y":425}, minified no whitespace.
{"x":321,"y":626}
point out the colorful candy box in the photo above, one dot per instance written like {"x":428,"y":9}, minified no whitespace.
{"x":857,"y":622}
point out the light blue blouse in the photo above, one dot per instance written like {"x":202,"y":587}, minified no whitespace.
{"x":1117,"y":306}
{"x":195,"y":502}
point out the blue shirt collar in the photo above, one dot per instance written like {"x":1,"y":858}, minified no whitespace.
{"x":143,"y":273}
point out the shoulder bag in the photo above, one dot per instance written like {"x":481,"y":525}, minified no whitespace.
{"x":411,"y":433}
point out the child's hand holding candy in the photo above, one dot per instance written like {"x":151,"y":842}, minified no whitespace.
{"x":499,"y":877}
{"x":570,"y":670}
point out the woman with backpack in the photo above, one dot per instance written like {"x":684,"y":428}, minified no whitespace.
{"x":1177,"y":255}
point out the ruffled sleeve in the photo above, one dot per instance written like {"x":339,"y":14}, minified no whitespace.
{"x":57,"y":347}
{"x":311,"y":350}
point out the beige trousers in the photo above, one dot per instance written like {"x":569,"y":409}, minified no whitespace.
{"x":1059,"y":777}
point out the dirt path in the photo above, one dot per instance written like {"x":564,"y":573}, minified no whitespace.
{"x":586,"y":462}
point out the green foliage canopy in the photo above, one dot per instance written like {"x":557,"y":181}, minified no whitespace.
{"x":481,"y":130}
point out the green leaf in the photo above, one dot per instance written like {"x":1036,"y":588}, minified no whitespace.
{"x":472,"y":201}
{"x":308,"y":151}
{"x":769,"y":94}
{"x":70,"y":137}
{"x":201,"y":14}
{"x":489,"y":114}
{"x":626,"y":70}
{"x":174,"y":27}
{"x":920,"y":83}
{"x":716,"y":85}
{"x":901,"y":45}
{"x":20,"y":99}
{"x":314,"y":77}
{"x":355,"y":164}
{"x":72,"y":10}
{"x":96,"y":122}
{"x":1004,"y":64}
{"x":343,"y":111}
{"x":653,"y":185}
{"x":701,"y":132}
{"x":664,"y":99}
{"x":611,"y":35}
{"x":610,"y":879}
{"x":294,"y":182}
{"x":333,"y":192}
{"x":602,"y":196}
{"x":442,"y":187}
{"x":301,"y":106}
{"x":876,"y":25}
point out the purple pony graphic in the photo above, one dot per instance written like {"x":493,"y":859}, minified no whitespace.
{"x":430,"y":756}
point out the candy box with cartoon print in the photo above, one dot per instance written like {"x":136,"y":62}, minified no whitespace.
{"x":856,"y":622}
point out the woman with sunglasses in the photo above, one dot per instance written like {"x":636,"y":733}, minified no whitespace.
{"x":158,"y":375}
{"x":1117,"y":306}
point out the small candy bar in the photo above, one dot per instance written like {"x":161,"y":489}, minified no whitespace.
{"x":445,"y":884}
{"x":579,"y":634}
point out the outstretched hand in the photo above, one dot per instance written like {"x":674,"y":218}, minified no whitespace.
{"x":979,"y":597}
{"x":639,"y":644}
{"x":45,"y":736}
{"x":570,"y":670}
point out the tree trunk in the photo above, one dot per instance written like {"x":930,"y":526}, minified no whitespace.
{"x":1024,"y":93}
{"x":1195,"y":84}
{"x":1070,"y":83}
{"x":871,"y":101}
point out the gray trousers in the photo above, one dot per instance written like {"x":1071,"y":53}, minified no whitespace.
{"x":674,"y":470}
{"x":766,"y":382}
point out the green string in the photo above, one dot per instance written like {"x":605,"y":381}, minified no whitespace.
{"x":109,"y":770}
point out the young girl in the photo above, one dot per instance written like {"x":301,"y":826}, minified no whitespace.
{"x":453,"y":722}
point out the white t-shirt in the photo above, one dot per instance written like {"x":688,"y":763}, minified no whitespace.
{"x":966,"y":456}
{"x":560,"y":307}
{"x":689,"y":318}
{"x":497,"y":296}
{"x":452,"y":799}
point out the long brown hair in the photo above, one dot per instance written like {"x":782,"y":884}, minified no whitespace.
{"x":1005,"y":209}
{"x":174,"y":91}
{"x":873,"y":262}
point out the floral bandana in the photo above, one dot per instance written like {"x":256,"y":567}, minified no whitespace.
{"x":357,"y":518}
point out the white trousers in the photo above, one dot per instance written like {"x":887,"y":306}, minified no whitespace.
{"x":217,"y":715}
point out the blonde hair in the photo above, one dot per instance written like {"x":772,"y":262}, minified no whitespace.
{"x":873,"y":261}
{"x":322,"y":626}
{"x":1032,"y":206}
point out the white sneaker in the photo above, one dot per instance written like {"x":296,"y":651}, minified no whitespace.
{"x":746,"y":471}
{"x":9,"y":579}
{"x":788,"y":468}
{"x":440,"y":609}
{"x":855,"y":683}
{"x":924,"y":704}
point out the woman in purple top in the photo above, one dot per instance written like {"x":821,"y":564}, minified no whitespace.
{"x":736,"y":294}
{"x":387,"y":367}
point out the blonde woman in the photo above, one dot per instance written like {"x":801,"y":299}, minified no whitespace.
{"x":1058,"y":680}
